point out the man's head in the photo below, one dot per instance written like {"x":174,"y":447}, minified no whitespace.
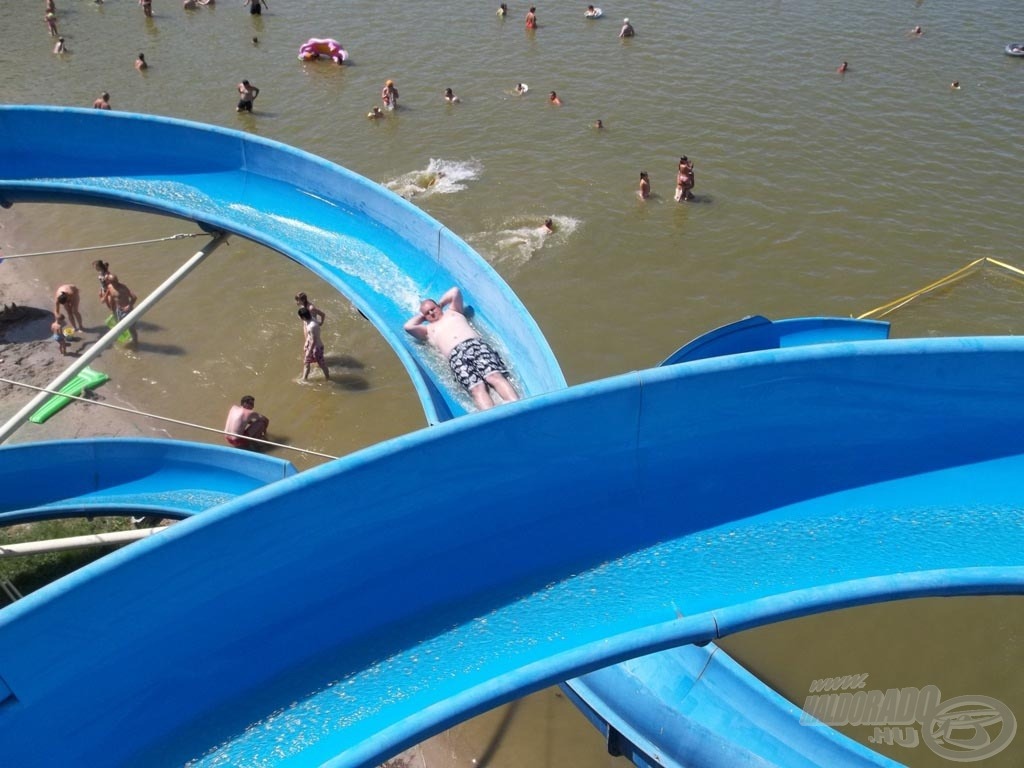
{"x":63,"y":298}
{"x":430,"y":309}
{"x":248,"y":401}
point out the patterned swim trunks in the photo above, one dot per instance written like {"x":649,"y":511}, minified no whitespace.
{"x":473,"y":360}
{"x":314,"y":355}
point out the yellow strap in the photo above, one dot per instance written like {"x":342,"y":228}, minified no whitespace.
{"x":892,"y":306}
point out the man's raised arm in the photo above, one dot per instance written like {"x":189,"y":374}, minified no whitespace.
{"x":452,"y":296}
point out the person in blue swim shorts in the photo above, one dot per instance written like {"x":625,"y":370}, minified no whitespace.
{"x":476,"y":365}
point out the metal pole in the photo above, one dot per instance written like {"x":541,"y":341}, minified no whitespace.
{"x":76,"y":542}
{"x":110,"y":336}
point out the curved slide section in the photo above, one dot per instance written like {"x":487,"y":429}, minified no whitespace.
{"x":694,"y":707}
{"x":340,"y":615}
{"x":71,"y":478}
{"x":377,"y":249}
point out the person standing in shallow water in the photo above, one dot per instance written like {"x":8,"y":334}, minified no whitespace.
{"x":103,"y":102}
{"x":389,"y":95}
{"x":645,"y":186}
{"x":247,"y":93}
{"x":531,"y":18}
{"x":313,"y":346}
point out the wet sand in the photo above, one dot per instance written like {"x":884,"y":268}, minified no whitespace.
{"x":29,"y":356}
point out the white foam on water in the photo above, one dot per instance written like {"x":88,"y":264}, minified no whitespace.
{"x":440,"y":177}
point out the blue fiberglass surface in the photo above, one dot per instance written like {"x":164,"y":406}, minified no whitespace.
{"x":377,"y":249}
{"x":101,"y":475}
{"x":756,"y":332}
{"x":393,"y":601}
{"x":695,"y":707}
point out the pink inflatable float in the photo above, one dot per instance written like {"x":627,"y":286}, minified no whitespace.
{"x":316,"y":47}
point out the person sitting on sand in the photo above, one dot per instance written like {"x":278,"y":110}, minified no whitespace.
{"x":67,"y":297}
{"x":243,"y":422}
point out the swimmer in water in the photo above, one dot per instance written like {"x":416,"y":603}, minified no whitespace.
{"x":60,"y":47}
{"x":915,"y":32}
{"x":955,"y":85}
{"x":549,"y":226}
{"x":645,"y":186}
{"x":140,"y":63}
{"x":590,"y":13}
{"x":599,"y":126}
{"x":531,"y":18}
{"x":503,"y":10}
{"x":627,"y":29}
{"x":553,"y":99}
{"x":843,"y":67}
{"x":522,"y":88}
{"x":375,"y":114}
{"x":450,"y":97}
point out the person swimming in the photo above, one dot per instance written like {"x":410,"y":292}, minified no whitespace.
{"x":522,"y":88}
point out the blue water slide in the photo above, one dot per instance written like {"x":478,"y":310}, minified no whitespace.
{"x":756,"y":332}
{"x":339,"y":615}
{"x":72,"y":478}
{"x":377,"y":249}
{"x":694,"y":707}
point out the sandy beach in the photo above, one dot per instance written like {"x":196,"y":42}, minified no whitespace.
{"x":29,"y":356}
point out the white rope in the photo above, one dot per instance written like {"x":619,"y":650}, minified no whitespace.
{"x":165,"y":418}
{"x":178,"y":236}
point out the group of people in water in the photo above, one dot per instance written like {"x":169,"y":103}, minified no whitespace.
{"x":684,"y":182}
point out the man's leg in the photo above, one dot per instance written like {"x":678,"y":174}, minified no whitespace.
{"x":481,"y":396}
{"x":503,"y":387}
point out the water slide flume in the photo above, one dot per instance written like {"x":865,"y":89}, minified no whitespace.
{"x":377,"y":249}
{"x":354,"y":609}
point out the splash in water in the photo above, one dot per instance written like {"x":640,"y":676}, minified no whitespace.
{"x":522,"y":238}
{"x":440,"y":177}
